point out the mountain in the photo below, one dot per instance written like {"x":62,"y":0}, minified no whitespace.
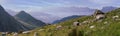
{"x":48,"y":15}
{"x":45,"y":17}
{"x":67,"y":11}
{"x":66,"y":18}
{"x":8,"y":23}
{"x":108,"y":8}
{"x":55,"y":13}
{"x":24,"y":17}
{"x":108,"y":26}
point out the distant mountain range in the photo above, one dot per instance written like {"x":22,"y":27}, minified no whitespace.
{"x":24,"y":21}
{"x":9,"y":24}
{"x":67,"y":18}
{"x":24,"y":17}
{"x":89,"y":26}
{"x":108,"y":8}
{"x":104,"y":9}
{"x":45,"y":17}
{"x":48,"y":18}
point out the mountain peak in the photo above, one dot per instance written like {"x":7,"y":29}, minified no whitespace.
{"x":25,"y":17}
{"x":22,"y":12}
{"x":12,"y":25}
{"x":1,"y":8}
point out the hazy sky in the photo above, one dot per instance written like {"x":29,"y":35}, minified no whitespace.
{"x":51,"y":10}
{"x":46,"y":5}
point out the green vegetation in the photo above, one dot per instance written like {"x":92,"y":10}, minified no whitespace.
{"x":105,"y":27}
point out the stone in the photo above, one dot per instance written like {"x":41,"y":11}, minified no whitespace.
{"x":92,"y":27}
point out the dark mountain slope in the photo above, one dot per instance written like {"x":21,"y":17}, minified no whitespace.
{"x":8,"y":23}
{"x":26,"y":18}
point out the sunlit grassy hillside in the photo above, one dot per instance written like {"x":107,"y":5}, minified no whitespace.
{"x":105,"y":27}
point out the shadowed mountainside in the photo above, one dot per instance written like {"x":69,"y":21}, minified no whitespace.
{"x":25,"y":18}
{"x":8,"y":23}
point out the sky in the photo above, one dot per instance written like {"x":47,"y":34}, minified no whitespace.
{"x":60,"y":8}
{"x":37,"y":5}
{"x":55,"y":3}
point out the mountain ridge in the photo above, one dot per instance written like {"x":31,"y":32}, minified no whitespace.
{"x":27,"y":18}
{"x":8,"y":23}
{"x":67,"y":18}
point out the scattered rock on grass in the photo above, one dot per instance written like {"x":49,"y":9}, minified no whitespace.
{"x":26,"y":32}
{"x":41,"y":29}
{"x":92,"y":27}
{"x":114,"y":17}
{"x":59,"y":27}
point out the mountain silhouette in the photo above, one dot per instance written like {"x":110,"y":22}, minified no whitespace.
{"x":8,"y":23}
{"x":27,"y":18}
{"x":108,"y":8}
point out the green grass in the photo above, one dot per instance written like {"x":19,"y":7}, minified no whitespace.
{"x":112,"y":28}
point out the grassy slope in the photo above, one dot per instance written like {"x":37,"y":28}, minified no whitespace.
{"x":112,"y":28}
